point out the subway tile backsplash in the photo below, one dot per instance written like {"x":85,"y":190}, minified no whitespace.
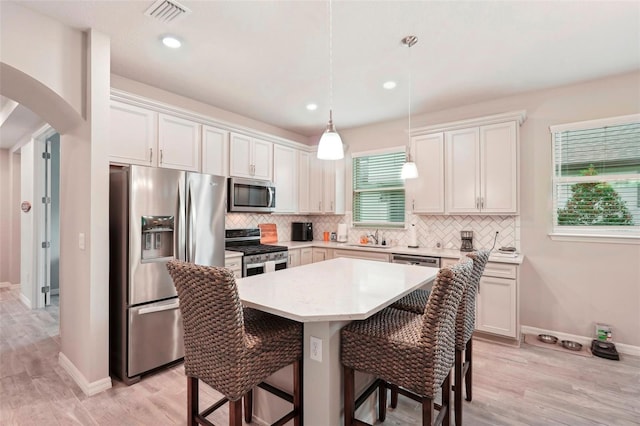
{"x":431,"y":230}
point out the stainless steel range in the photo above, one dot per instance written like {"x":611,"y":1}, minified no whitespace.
{"x":258,"y":258}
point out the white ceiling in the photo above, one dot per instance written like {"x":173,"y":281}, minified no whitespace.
{"x":268,"y":59}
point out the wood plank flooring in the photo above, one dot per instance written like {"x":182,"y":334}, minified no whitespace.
{"x":512,"y":386}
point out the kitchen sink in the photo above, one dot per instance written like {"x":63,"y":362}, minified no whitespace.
{"x":378,"y":246}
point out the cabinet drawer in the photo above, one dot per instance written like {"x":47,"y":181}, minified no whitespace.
{"x":366,"y":255}
{"x":502,"y":270}
{"x":233,"y":263}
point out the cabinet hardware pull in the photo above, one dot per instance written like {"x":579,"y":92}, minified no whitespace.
{"x":413,"y":205}
{"x":482,"y":202}
{"x":161,"y":156}
{"x":319,"y":205}
{"x":150,"y":155}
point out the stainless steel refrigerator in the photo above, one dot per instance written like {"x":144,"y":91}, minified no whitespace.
{"x":156,"y":215}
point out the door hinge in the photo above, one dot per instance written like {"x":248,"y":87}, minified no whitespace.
{"x":46,"y":200}
{"x":45,"y":289}
{"x":46,"y":244}
{"x":46,"y":155}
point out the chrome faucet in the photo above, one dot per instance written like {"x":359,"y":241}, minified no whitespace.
{"x":375,"y":237}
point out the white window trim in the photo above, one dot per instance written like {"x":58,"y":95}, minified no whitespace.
{"x":629,"y":235}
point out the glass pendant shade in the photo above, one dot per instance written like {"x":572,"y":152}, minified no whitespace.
{"x":409,"y":170}
{"x":330,"y":145}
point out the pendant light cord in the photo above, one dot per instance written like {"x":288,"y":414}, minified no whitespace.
{"x":409,"y":47}
{"x":330,"y":60}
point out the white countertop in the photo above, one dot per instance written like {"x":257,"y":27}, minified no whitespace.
{"x":333,"y":290}
{"x":420,"y":251}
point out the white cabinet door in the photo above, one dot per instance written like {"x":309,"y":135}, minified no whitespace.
{"x":262,"y":159}
{"x":496,"y":306}
{"x":134,"y":135}
{"x":426,"y":193}
{"x":235,"y":264}
{"x":294,"y":259}
{"x":215,"y":151}
{"x":285,"y":178}
{"x":306,"y":256}
{"x":463,"y":170}
{"x":240,"y":156}
{"x":498,"y":166}
{"x":321,"y":254}
{"x":303,"y":181}
{"x":179,"y":143}
{"x":329,"y":187}
{"x":250,"y":158}
{"x":316,"y":175}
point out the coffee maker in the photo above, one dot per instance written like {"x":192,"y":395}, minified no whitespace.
{"x":467,"y":240}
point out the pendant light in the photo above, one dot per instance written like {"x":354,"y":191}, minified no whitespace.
{"x":409,"y":168}
{"x":330,"y":145}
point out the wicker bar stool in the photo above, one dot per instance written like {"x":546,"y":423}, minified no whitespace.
{"x":415,"y":352}
{"x":465,"y":324}
{"x":231,"y":348}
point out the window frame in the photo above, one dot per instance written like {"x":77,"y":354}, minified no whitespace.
{"x":369,"y":153}
{"x":606,"y":234}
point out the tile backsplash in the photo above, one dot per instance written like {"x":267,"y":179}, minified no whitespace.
{"x":431,"y":230}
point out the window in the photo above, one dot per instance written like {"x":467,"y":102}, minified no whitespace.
{"x":378,"y":190}
{"x":596,"y":181}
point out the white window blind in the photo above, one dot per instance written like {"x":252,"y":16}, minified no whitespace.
{"x":597,"y":178}
{"x":378,"y":190}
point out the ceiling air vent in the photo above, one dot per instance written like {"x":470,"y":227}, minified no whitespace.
{"x":167,"y":11}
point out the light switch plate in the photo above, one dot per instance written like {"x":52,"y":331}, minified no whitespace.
{"x":315,"y":349}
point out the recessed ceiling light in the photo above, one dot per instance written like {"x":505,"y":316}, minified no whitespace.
{"x":312,"y":107}
{"x":389,"y":85}
{"x":171,"y":42}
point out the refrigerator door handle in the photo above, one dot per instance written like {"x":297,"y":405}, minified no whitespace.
{"x":179,"y":239}
{"x":174,"y":305}
{"x":191,"y":221}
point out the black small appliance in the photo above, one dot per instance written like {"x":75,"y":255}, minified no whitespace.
{"x":467,"y":240}
{"x":604,"y":350}
{"x":301,"y":231}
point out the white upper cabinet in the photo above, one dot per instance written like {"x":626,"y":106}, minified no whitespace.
{"x":499,"y":168}
{"x":326,"y":186}
{"x":426,"y":193}
{"x":215,"y":151}
{"x":134,"y":135}
{"x":304,"y":165}
{"x":463,"y":170}
{"x":250,"y":158}
{"x":285,"y":178}
{"x":178,"y":143}
{"x":482,"y":169}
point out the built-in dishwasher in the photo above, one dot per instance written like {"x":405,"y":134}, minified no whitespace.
{"x":411,"y":259}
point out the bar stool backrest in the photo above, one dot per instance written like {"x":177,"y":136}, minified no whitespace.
{"x":466,"y":318}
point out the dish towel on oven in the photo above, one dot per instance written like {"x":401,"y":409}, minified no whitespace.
{"x":269,"y":266}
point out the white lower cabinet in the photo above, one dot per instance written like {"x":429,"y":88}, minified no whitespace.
{"x":497,"y":310}
{"x":285,"y":177}
{"x":235,"y":264}
{"x":366,"y":255}
{"x":321,"y":254}
{"x":306,"y":256}
{"x":294,"y":258}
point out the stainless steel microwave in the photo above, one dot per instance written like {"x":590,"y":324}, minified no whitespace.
{"x":247,"y":195}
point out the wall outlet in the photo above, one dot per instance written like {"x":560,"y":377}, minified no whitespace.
{"x":315,"y":349}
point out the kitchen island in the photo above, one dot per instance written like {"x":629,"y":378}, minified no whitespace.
{"x":325,"y":296}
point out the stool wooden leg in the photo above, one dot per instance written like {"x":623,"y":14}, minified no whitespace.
{"x":468,"y":356}
{"x":349,"y":396}
{"x":248,"y":406}
{"x":297,"y":392}
{"x":427,"y":411}
{"x":446,"y":399}
{"x":192,"y":401}
{"x":382,"y":400}
{"x":457,"y":388}
{"x":235,"y":413}
{"x":394,"y":396}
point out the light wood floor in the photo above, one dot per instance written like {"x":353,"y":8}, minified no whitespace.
{"x":525,"y":386}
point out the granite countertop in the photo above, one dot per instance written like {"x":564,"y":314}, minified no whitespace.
{"x":420,"y":251}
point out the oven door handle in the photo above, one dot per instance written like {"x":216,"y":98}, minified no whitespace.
{"x":261,"y":264}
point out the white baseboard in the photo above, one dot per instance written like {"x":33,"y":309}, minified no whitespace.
{"x":584,"y":340}
{"x":88,"y":388}
{"x":25,"y":301}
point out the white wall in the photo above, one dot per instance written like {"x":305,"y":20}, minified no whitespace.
{"x":27,"y":278}
{"x":565,"y":286}
{"x":10,"y":216}
{"x":5,"y":213}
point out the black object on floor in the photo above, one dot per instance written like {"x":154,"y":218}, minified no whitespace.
{"x":604,"y":350}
